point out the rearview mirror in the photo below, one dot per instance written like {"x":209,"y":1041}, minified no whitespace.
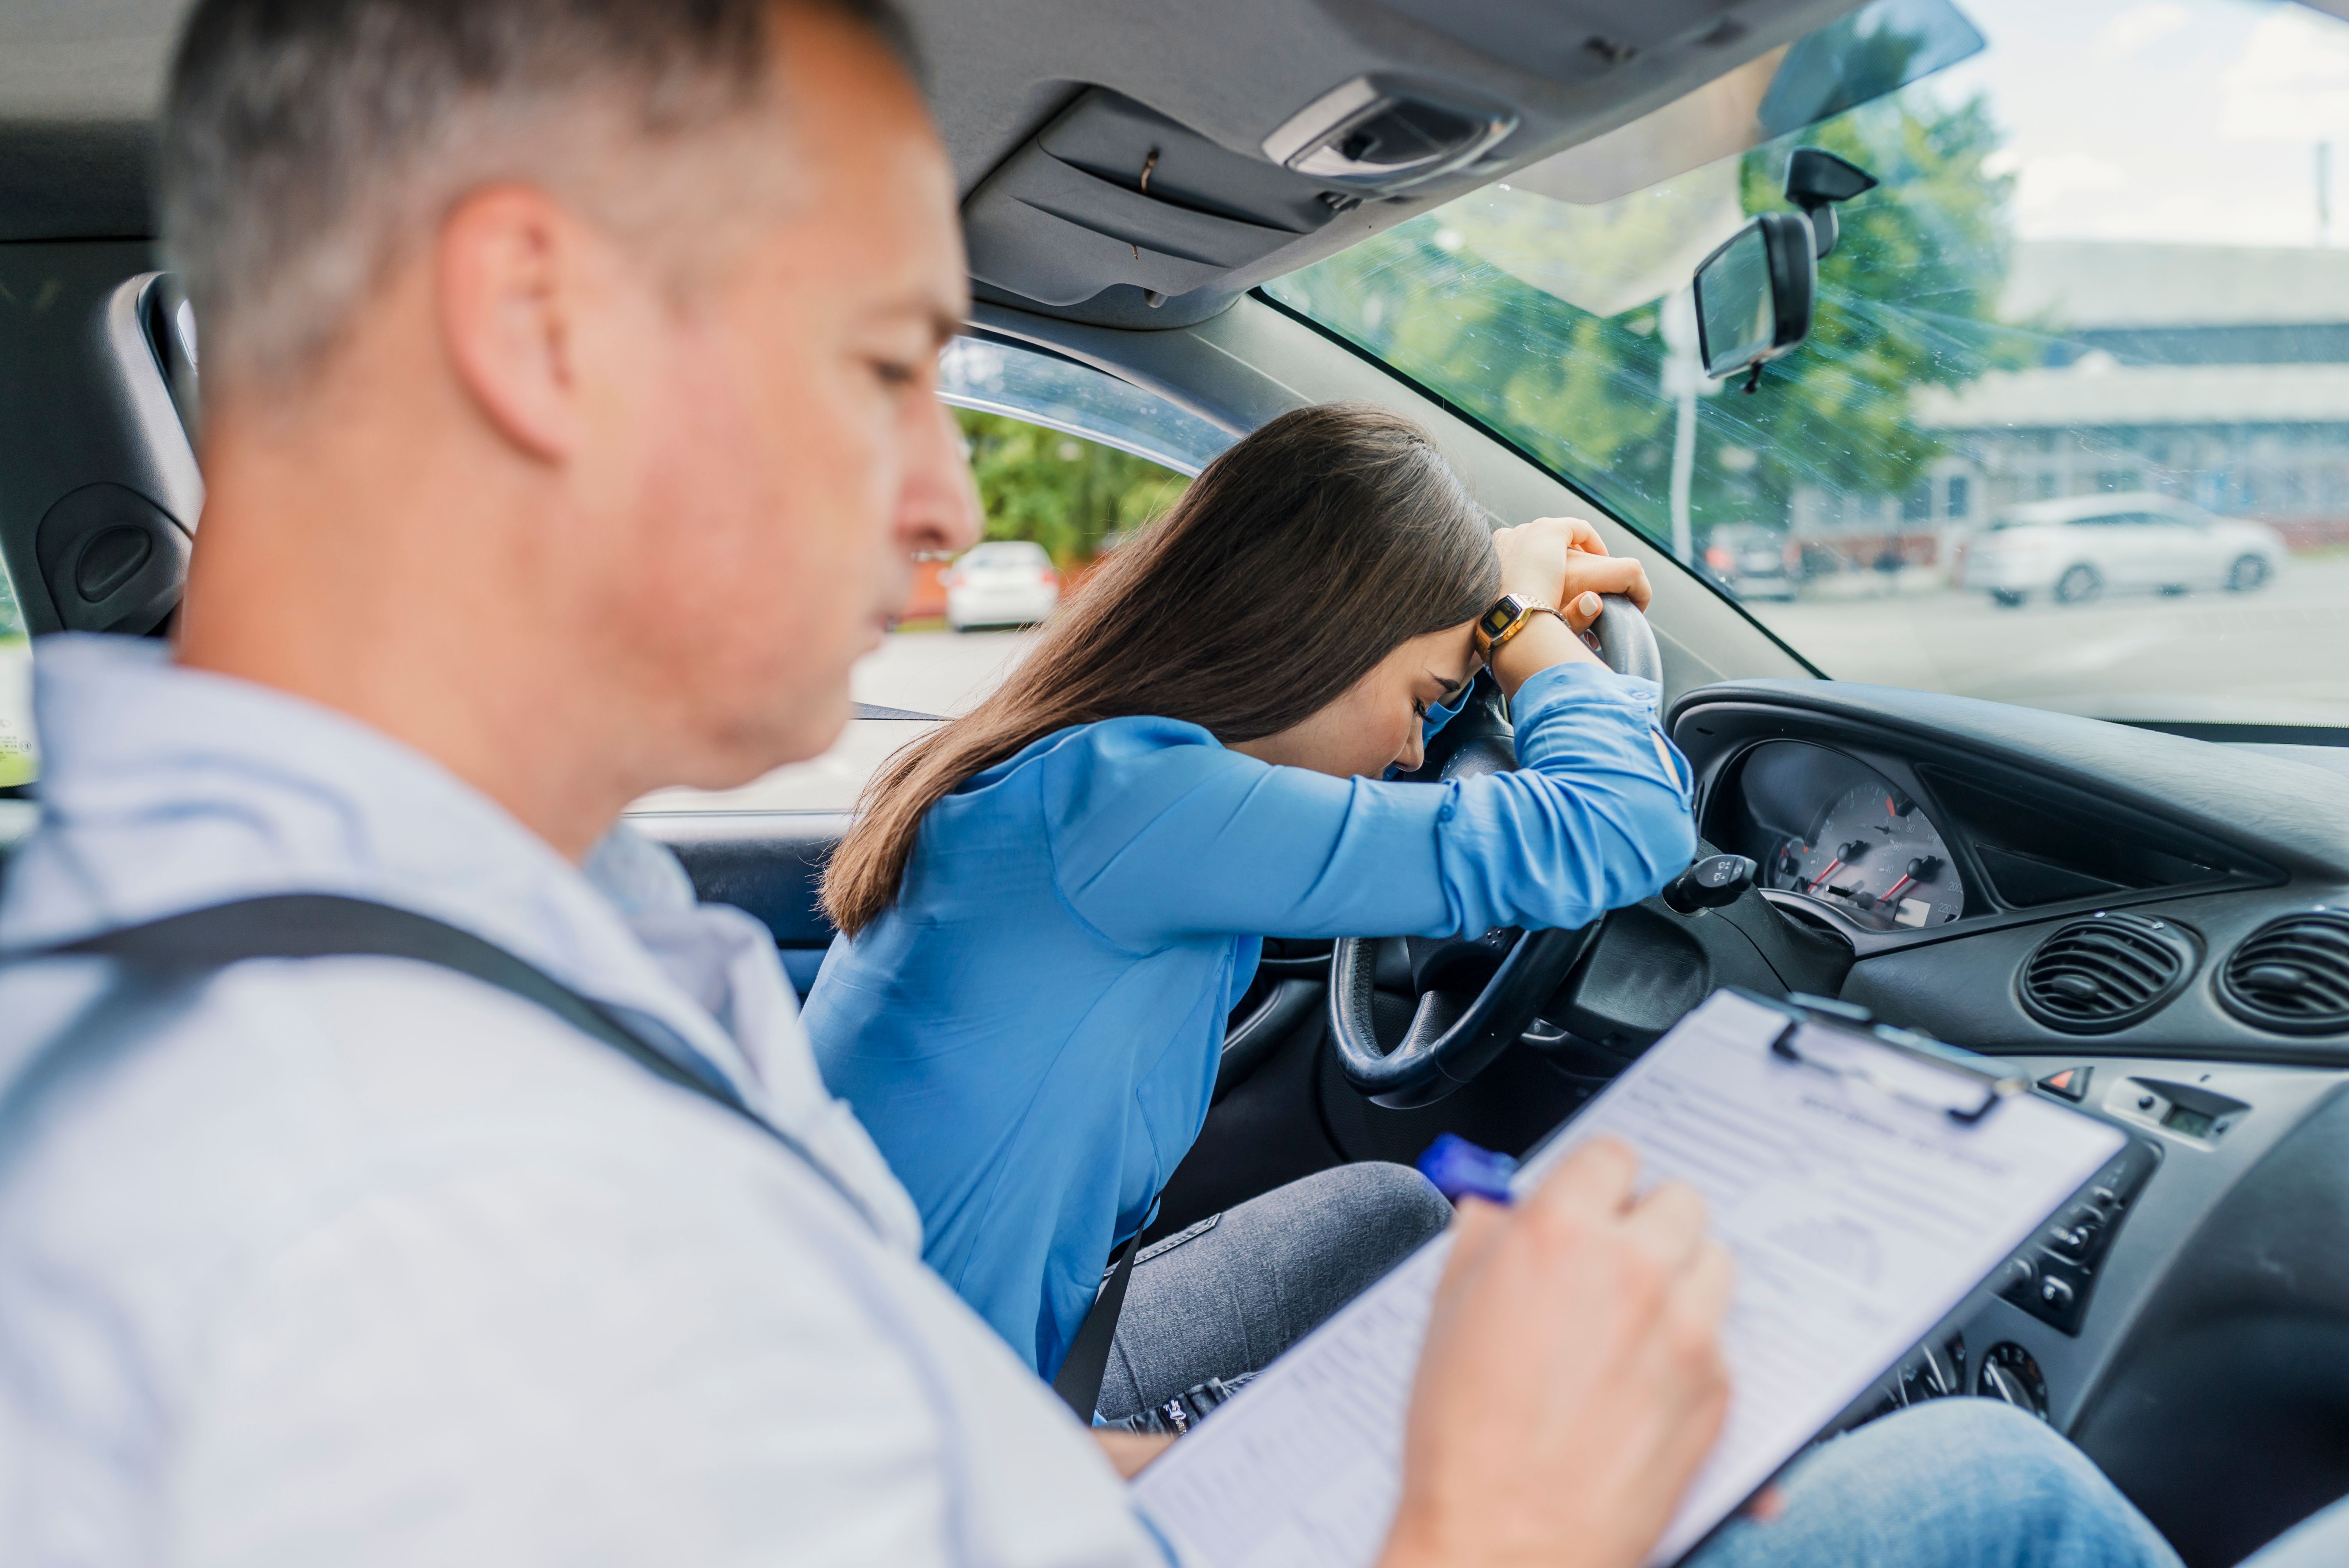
{"x":1754,"y":294}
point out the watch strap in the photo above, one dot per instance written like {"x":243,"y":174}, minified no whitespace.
{"x":1507,"y":617}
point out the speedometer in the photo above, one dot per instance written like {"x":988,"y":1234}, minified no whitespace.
{"x":1873,"y":855}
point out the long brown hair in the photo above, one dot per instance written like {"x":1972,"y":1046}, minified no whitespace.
{"x":1296,"y":561}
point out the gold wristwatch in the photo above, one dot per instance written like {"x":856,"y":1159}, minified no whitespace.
{"x":1506,"y":619}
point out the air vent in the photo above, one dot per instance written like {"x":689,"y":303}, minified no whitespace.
{"x":2292,"y":975}
{"x":2105,"y":972}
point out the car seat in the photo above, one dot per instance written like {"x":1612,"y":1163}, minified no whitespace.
{"x":102,"y":455}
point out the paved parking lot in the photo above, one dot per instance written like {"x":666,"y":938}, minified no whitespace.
{"x":942,"y":672}
{"x":2276,"y":656}
{"x":937,"y":672}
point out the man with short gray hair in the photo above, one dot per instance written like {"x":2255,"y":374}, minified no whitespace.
{"x":397,"y":1165}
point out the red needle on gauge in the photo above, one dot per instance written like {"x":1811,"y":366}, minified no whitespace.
{"x":1922,"y":867}
{"x":1844,"y":853}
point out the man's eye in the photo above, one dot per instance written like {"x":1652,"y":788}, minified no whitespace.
{"x":895,"y":374}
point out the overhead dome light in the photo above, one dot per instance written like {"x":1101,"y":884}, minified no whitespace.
{"x":1385,"y":137}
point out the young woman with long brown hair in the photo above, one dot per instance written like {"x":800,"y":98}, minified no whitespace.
{"x":1048,"y":906}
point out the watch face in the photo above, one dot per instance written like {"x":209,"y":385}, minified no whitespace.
{"x":1497,"y":620}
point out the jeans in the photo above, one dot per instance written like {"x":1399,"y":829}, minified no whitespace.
{"x":1229,"y":1293}
{"x":1952,"y":1483}
{"x":1971,"y":1483}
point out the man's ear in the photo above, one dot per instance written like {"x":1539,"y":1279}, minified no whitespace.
{"x":513,"y":275}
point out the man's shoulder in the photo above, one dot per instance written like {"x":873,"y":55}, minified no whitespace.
{"x":256,"y":1103}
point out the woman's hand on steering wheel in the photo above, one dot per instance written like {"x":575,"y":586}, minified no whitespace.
{"x":1561,"y":561}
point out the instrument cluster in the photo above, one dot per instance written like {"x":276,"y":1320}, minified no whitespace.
{"x":1835,"y":830}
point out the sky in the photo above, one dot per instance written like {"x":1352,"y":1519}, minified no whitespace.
{"x":2192,"y":121}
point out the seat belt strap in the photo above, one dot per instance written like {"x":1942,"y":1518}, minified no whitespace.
{"x":328,"y":926}
{"x":1079,"y":1381}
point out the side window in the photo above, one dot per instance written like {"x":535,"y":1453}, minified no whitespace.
{"x":1070,"y":462}
{"x":18,"y":760}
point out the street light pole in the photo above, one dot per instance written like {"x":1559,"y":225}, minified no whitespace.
{"x":2324,"y":193}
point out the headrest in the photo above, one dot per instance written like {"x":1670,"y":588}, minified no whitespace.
{"x":113,"y":545}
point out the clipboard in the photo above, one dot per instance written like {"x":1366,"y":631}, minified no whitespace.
{"x":1867,"y":1180}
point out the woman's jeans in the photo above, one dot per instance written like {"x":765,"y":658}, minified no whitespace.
{"x":1226,"y":1295}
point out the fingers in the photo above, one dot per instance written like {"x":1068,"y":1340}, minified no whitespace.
{"x":1582,"y":612}
{"x":1579,"y":533}
{"x":1608,"y":574}
{"x":1668,"y":1224}
{"x":1475,"y":1223}
{"x":1596,"y":1179}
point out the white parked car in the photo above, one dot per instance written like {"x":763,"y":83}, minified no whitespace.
{"x":2079,"y":547}
{"x":1003,"y":583}
{"x":1749,"y":561}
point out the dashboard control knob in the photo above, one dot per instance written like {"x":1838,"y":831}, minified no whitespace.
{"x":2009,"y":1373}
{"x":2018,"y":1276}
{"x":2056,"y":1291}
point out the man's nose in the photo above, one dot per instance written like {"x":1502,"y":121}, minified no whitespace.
{"x":939,"y":510}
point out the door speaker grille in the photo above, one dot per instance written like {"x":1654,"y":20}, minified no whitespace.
{"x":2106,"y":972}
{"x":2292,"y":975}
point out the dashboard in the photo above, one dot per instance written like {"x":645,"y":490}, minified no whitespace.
{"x":2157,"y":930}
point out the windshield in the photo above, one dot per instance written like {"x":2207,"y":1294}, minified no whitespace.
{"x":2097,"y":267}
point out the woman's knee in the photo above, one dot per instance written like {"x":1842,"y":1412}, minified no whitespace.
{"x":1394,"y":1198}
{"x":1369,"y":1209}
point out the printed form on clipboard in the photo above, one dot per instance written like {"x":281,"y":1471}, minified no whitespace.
{"x":1865,"y":1190}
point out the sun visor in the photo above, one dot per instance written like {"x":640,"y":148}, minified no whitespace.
{"x":1878,"y":50}
{"x":1110,"y":193}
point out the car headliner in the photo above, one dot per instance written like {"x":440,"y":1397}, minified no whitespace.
{"x":79,"y":80}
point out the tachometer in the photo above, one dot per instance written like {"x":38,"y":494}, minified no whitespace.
{"x":1873,"y":855}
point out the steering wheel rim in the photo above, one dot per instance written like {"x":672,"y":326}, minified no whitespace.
{"x":1626,"y":641}
{"x":1456,"y":1033}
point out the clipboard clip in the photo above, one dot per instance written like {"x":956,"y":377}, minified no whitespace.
{"x":1997,"y":1087}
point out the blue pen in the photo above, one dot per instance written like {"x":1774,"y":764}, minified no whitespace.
{"x":1460,"y":1169}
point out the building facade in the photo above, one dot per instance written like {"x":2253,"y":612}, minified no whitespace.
{"x":2215,"y":374}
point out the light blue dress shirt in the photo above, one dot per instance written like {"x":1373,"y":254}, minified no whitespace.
{"x":1030,"y":1033}
{"x":358,"y":1260}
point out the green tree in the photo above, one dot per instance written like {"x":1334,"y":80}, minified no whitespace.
{"x":1456,"y":299}
{"x":1908,"y":300}
{"x":1067,"y":494}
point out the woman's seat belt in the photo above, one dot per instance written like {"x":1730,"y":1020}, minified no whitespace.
{"x":1079,"y":1381}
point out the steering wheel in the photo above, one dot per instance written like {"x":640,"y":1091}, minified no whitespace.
{"x":1475,"y":995}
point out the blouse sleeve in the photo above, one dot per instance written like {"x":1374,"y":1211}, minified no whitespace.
{"x":1159,"y":834}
